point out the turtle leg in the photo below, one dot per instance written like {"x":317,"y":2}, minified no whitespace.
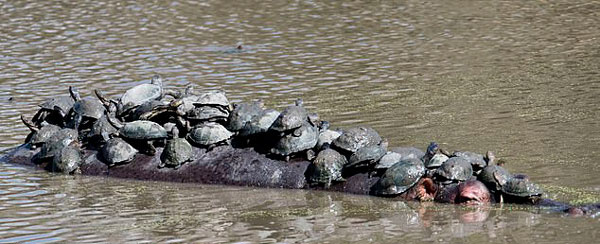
{"x":150,"y":150}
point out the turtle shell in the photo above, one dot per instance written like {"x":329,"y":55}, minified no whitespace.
{"x":290,"y":118}
{"x":143,"y":130}
{"x":326,"y":168}
{"x":300,"y":139}
{"x":177,"y":152}
{"x":400,"y":177}
{"x":89,"y":108}
{"x":58,"y":140}
{"x":207,"y":113}
{"x":389,"y":159}
{"x":44,"y":134}
{"x":68,"y":160}
{"x":453,"y":170}
{"x":101,"y":126}
{"x":61,"y":104}
{"x":494,"y":177}
{"x":141,"y":94}
{"x":366,"y":156}
{"x":117,"y":151}
{"x":243,"y":113}
{"x":212,"y":98}
{"x":408,"y":152}
{"x":477,"y":161}
{"x":436,"y":160}
{"x":354,"y":138}
{"x":209,"y":133}
{"x":518,"y":187}
{"x":327,"y":137}
{"x":260,"y":123}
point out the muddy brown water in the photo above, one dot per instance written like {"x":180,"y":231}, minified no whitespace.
{"x":519,"y":78}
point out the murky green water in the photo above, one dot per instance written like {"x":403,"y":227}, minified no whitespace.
{"x":519,"y":78}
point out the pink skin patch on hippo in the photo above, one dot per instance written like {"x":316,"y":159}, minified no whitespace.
{"x":473,"y":192}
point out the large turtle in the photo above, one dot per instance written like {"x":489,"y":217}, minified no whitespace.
{"x":292,"y":117}
{"x":177,"y":151}
{"x":117,"y":151}
{"x":357,"y":137}
{"x":68,"y":160}
{"x":301,"y":139}
{"x":84,"y":111}
{"x":39,"y":136}
{"x":55,"y":144}
{"x":243,"y":113}
{"x":209,"y":134}
{"x":259,"y":123}
{"x":397,"y":154}
{"x":140,"y":132}
{"x":519,"y":190}
{"x":399,"y":177}
{"x":455,"y":169}
{"x":493,"y":176}
{"x":215,"y":98}
{"x":141,"y":94}
{"x":326,"y":168}
{"x":53,"y":110}
{"x":366,"y":156}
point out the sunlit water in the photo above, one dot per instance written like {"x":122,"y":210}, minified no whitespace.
{"x":519,"y":78}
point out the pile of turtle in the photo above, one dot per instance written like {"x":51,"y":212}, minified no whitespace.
{"x":147,"y":116}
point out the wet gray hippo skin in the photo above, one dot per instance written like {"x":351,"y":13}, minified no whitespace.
{"x":245,"y":167}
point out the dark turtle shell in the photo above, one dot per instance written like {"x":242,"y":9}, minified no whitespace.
{"x":207,"y":113}
{"x":60,"y":139}
{"x":260,"y":123}
{"x":299,"y":140}
{"x":327,"y":136}
{"x":209,"y":133}
{"x":366,"y":156}
{"x":354,"y":138}
{"x":326,"y":168}
{"x":44,"y":134}
{"x":89,"y":108}
{"x":68,"y":160}
{"x":143,"y":130}
{"x":117,"y":151}
{"x":290,"y":118}
{"x":455,"y":169}
{"x":494,"y":177}
{"x":100,"y":128}
{"x":212,"y":98}
{"x":243,"y":113}
{"x":521,"y":188}
{"x":177,"y":152}
{"x":477,"y":160}
{"x":400,"y":177}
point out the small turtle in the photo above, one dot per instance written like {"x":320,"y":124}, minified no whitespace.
{"x":101,"y":129}
{"x":301,"y":139}
{"x":84,"y":111}
{"x":435,"y":156}
{"x":53,"y":110}
{"x":399,"y":177}
{"x":207,"y":113}
{"x":389,"y":159}
{"x":117,"y":151}
{"x":216,"y":98}
{"x":141,"y":94}
{"x":260,"y":123}
{"x":291,"y":118}
{"x":366,"y":156}
{"x":177,"y":152}
{"x":209,"y":134}
{"x":154,"y":110}
{"x":68,"y":160}
{"x":141,"y":132}
{"x":326,"y":136}
{"x":521,"y":190}
{"x":242,"y":114}
{"x":354,"y":138}
{"x":494,"y":177}
{"x":55,"y":144}
{"x":477,"y":160}
{"x":39,"y":136}
{"x":326,"y":168}
{"x":455,"y":169}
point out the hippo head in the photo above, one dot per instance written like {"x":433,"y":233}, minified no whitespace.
{"x":473,"y":192}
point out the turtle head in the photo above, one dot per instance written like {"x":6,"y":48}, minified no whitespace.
{"x":157,"y":80}
{"x":299,"y":102}
{"x":29,"y":124}
{"x":74,"y":93}
{"x":490,"y":157}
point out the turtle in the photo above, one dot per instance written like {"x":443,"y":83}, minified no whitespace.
{"x":207,"y":113}
{"x":408,"y":152}
{"x":354,"y":138}
{"x":209,"y":134}
{"x":494,"y":177}
{"x":477,"y":160}
{"x":366,"y":156}
{"x":177,"y":151}
{"x":455,"y":169}
{"x":300,"y":139}
{"x":58,"y":140}
{"x":399,"y":177}
{"x":117,"y":151}
{"x":215,"y":98}
{"x":291,"y":118}
{"x":520,"y":190}
{"x":326,"y":168}
{"x":389,"y":159}
{"x":259,"y":123}
{"x":39,"y":136}
{"x":141,"y":94}
{"x":326,"y":136}
{"x":140,"y":132}
{"x":68,"y":160}
{"x":53,"y":110}
{"x":101,"y":129}
{"x":242,"y":114}
{"x":154,"y":110}
{"x":84,"y":111}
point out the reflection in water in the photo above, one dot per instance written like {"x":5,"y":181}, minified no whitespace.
{"x":519,"y":78}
